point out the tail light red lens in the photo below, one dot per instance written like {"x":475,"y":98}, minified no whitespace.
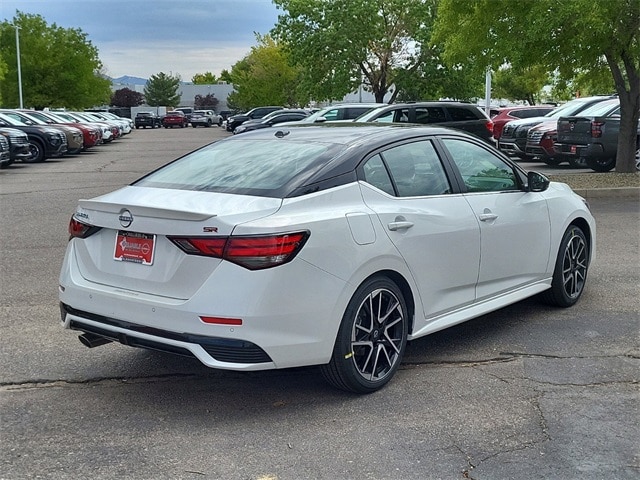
{"x":77,"y":229}
{"x":596,"y":129}
{"x":252,"y":252}
{"x":489,"y":126}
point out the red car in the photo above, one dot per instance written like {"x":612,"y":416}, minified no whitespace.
{"x":500,"y":116}
{"x":175,"y":119}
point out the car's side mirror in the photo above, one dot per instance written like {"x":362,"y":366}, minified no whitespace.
{"x":320,"y":120}
{"x":537,"y":182}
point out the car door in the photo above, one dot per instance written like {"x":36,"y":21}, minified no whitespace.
{"x":434,"y":230}
{"x":514,"y":224}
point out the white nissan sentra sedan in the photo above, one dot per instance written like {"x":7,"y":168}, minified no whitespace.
{"x":323,"y":245}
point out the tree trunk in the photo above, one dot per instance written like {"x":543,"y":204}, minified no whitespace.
{"x":628,"y":88}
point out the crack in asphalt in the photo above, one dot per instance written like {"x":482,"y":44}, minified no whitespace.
{"x":46,"y":383}
{"x":506,"y":357}
{"x":542,"y":422}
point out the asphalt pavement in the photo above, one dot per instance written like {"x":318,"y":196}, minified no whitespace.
{"x":527,"y":392}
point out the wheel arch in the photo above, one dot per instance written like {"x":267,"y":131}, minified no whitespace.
{"x":583,"y":225}
{"x":404,"y":287}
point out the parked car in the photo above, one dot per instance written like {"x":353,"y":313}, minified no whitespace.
{"x":188,"y":111}
{"x":274,"y":118}
{"x":513,"y":140}
{"x":343,"y":112}
{"x":175,"y":119}
{"x":147,"y":119}
{"x":327,"y":245}
{"x":5,"y":152}
{"x":19,"y":148}
{"x":124,"y":124}
{"x":205,"y":118}
{"x":501,"y":116}
{"x":108,"y":132}
{"x":258,"y":112}
{"x":542,"y":139}
{"x":44,"y":141}
{"x":117,"y":127}
{"x":463,"y":116}
{"x":91,"y":134}
{"x":73,"y":134}
{"x":591,"y":139}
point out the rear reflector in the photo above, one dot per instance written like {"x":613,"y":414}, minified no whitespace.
{"x":221,"y":321}
{"x":253,"y":252}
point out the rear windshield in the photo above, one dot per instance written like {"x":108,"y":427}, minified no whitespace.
{"x":600,"y":109}
{"x":247,"y":167}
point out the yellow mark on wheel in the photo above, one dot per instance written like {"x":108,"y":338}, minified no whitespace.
{"x":349,"y":355}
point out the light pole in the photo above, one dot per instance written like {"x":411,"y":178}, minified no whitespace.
{"x":19,"y":70}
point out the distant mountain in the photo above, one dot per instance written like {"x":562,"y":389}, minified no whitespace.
{"x":127,"y":79}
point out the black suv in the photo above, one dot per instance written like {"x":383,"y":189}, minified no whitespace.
{"x":147,"y":119}
{"x":258,"y":112}
{"x":463,"y":116}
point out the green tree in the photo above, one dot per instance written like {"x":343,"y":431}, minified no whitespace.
{"x":573,"y":38}
{"x":3,"y":73}
{"x":265,"y":77}
{"x":520,"y":84}
{"x":225,"y":76}
{"x":125,"y":97}
{"x":162,"y":90}
{"x":59,"y":67}
{"x":341,"y":45}
{"x":206,"y":78}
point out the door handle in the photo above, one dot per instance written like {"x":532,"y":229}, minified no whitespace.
{"x":394,"y":226}
{"x":485,"y":217}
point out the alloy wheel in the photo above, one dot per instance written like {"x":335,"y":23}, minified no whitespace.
{"x":378,"y":334}
{"x":574,"y":266}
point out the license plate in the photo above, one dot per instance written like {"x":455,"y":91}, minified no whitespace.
{"x":134,"y":247}
{"x":573,"y":149}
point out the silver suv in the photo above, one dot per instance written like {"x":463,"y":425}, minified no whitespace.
{"x":205,"y":118}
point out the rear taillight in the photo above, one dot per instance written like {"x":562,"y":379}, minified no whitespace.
{"x":489,"y":125}
{"x":596,"y":129}
{"x":254,"y":252}
{"x":78,"y":229}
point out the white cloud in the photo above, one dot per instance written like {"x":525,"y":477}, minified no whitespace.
{"x":144,"y":37}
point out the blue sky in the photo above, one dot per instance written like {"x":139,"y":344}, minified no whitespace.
{"x":144,"y":37}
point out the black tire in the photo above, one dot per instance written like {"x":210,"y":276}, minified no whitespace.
{"x":578,"y":162}
{"x":208,"y":124}
{"x":37,"y":152}
{"x":194,"y":125}
{"x":638,"y":157}
{"x":137,"y":127}
{"x":371,"y":340}
{"x":601,"y":164}
{"x":570,"y":272}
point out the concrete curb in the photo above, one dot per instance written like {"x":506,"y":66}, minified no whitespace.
{"x":608,"y":192}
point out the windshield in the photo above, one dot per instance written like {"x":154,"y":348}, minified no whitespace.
{"x":12,"y":121}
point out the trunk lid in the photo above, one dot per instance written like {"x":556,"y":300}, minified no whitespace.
{"x":131,"y":251}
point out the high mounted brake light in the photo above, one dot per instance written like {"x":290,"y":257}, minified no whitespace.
{"x":254,"y":252}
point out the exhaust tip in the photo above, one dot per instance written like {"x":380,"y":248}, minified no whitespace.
{"x":91,"y":340}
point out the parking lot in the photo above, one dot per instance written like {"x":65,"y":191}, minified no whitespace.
{"x":528,"y":391}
